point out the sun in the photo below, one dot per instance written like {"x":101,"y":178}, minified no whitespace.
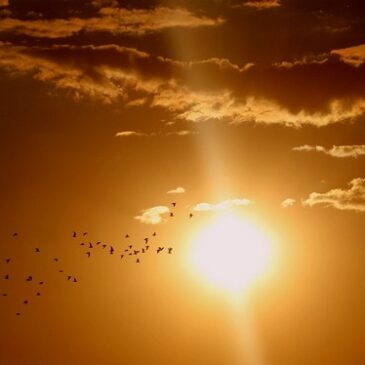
{"x":231,"y":253}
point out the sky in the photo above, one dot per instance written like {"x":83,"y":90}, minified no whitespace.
{"x":111,"y":110}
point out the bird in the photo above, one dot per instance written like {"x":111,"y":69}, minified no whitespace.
{"x":15,"y":234}
{"x":74,"y":235}
{"x":6,"y":277}
{"x":147,"y":247}
{"x":127,"y":235}
{"x":171,"y":214}
{"x":121,"y":256}
{"x":146,"y":240}
{"x":37,"y":249}
{"x":25,"y":302}
{"x":60,"y":271}
{"x":75,"y":280}
{"x":5,"y":295}
{"x":29,"y":278}
{"x":143,"y":250}
{"x":18,"y":314}
{"x":7,"y":260}
{"x":55,"y":259}
{"x":82,"y":244}
{"x":160,"y":249}
{"x":173,"y":204}
{"x":104,"y":246}
{"x":137,"y":261}
{"x":88,"y":254}
{"x":191,"y":215}
{"x":69,"y":277}
{"x":111,"y":250}
{"x":41,"y":282}
{"x":135,"y":252}
{"x":38,"y":294}
{"x":154,"y":234}
{"x":98,"y":243}
{"x":90,"y":245}
{"x":130,"y":246}
{"x":170,"y":250}
{"x":84,"y":234}
{"x":126,"y":250}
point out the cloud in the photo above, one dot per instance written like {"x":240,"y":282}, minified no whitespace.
{"x":263,"y":4}
{"x":110,"y":19}
{"x":289,"y":202}
{"x":351,"y":199}
{"x":199,"y":90}
{"x":130,"y":134}
{"x":4,"y":2}
{"x":178,"y":190}
{"x":153,"y":215}
{"x":354,"y":56}
{"x":181,"y":133}
{"x":205,"y":207}
{"x":342,"y":151}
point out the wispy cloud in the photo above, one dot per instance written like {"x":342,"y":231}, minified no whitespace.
{"x":205,"y":207}
{"x":130,"y":134}
{"x":178,"y":190}
{"x":287,"y":203}
{"x":262,"y":4}
{"x":110,"y":19}
{"x":342,"y":151}
{"x":352,"y":198}
{"x":153,"y":215}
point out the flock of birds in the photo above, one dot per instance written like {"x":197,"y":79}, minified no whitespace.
{"x":131,"y":251}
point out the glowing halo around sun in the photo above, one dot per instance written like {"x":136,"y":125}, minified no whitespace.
{"x":231,"y":253}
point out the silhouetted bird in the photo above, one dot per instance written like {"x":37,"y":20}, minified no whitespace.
{"x":25,"y":302}
{"x":104,"y":246}
{"x":84,"y":234}
{"x":98,"y":243}
{"x":173,"y":204}
{"x":4,"y":294}
{"x":75,"y":280}
{"x":7,"y":260}
{"x":154,"y":234}
{"x":37,"y":249}
{"x":126,"y":236}
{"x":171,"y":214}
{"x":41,"y":282}
{"x":60,"y":271}
{"x":18,"y":314}
{"x":160,"y":249}
{"x":135,"y":252}
{"x":29,"y":278}
{"x":90,"y":245}
{"x":121,"y":256}
{"x":147,"y":247}
{"x":191,"y":215}
{"x":111,"y":250}
{"x":137,"y":261}
{"x":170,"y":249}
{"x":146,"y":240}
{"x":88,"y":254}
{"x":55,"y":259}
{"x":130,"y":246}
{"x":143,"y":250}
{"x":82,"y":244}
{"x":130,"y":254}
{"x":126,"y":250}
{"x":38,"y":294}
{"x":15,"y":234}
{"x":74,"y":235}
{"x":6,"y":277}
{"x":69,"y":277}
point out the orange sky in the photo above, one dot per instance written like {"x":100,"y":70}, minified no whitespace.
{"x":251,"y":107}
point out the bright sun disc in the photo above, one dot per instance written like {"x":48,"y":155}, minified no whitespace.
{"x":231,"y":253}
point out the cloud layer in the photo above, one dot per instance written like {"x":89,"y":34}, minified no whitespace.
{"x":153,"y":215}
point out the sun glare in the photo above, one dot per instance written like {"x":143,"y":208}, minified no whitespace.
{"x":231,"y":253}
